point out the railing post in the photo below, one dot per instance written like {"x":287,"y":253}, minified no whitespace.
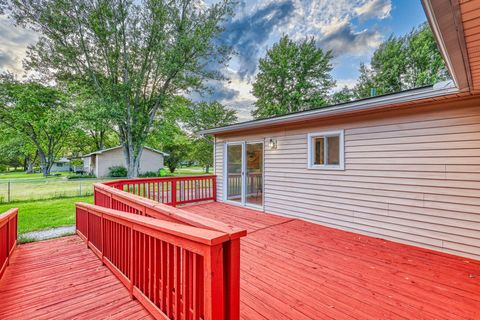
{"x":8,"y":242}
{"x":132,"y":265}
{"x":214,"y":187}
{"x":174,"y":193}
{"x":86,"y":231}
{"x":214,"y":283}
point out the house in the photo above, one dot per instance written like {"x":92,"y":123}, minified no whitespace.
{"x":99,"y":162}
{"x":61,"y":165}
{"x":403,"y":166}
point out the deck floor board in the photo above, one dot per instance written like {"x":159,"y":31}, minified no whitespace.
{"x":62,"y":279}
{"x":292,"y":269}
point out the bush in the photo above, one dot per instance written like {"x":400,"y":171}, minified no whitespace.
{"x":81,"y":176}
{"x":148,"y":174}
{"x":117,"y":172}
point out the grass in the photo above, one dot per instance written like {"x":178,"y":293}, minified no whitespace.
{"x":45,"y":214}
{"x":186,"y":171}
{"x":30,"y":176}
{"x":41,"y":189}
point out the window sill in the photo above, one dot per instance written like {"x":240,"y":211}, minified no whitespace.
{"x":328,"y":168}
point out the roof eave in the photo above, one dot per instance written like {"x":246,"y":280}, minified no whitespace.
{"x":445,"y":22}
{"x":381,"y":101}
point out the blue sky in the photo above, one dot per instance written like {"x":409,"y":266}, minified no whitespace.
{"x":352,"y":29}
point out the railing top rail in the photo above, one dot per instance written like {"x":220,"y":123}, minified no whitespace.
{"x":204,"y":236}
{"x":9,"y":214}
{"x":158,"y":179}
{"x":176,"y":213}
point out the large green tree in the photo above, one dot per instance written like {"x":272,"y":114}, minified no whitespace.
{"x":202,"y":116}
{"x":293,"y":76}
{"x":402,"y":63}
{"x":133,"y":54}
{"x":39,"y":113}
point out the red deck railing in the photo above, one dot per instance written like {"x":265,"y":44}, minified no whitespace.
{"x":170,"y":190}
{"x":176,"y":271}
{"x":139,"y":199}
{"x":8,"y":237}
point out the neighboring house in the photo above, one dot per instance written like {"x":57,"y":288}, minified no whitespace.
{"x":99,"y":162}
{"x":403,"y":166}
{"x":61,"y":165}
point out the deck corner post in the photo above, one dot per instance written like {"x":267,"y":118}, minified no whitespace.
{"x":174,"y":193}
{"x":214,"y":283}
{"x":214,"y":187}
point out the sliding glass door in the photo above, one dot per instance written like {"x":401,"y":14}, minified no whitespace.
{"x":254,"y":177}
{"x":244,"y":173}
{"x":234,"y":168}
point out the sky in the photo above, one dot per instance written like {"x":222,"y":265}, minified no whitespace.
{"x":352,"y":29}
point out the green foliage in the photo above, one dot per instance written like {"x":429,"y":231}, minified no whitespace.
{"x":133,"y":55}
{"x":117,"y":172}
{"x":294,"y":76}
{"x":37,"y":113}
{"x":202,"y":116}
{"x":80,"y":176}
{"x":402,"y":63}
{"x":344,"y":95}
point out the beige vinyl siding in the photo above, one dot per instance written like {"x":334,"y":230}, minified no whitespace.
{"x":410,"y":175}
{"x":219,"y":164}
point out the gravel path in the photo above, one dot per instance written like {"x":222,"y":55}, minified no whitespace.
{"x":48,"y":233}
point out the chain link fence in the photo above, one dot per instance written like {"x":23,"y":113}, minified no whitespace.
{"x":26,"y":189}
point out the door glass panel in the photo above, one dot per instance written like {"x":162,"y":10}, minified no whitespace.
{"x":234,"y":172}
{"x":254,"y":159}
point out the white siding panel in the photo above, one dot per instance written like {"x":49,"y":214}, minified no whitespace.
{"x":412,"y":176}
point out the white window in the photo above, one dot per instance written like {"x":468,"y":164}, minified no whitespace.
{"x":325,"y":150}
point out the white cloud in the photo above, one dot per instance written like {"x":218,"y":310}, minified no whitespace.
{"x":375,"y":9}
{"x":14,"y":41}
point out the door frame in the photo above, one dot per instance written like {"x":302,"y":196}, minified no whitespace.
{"x":243,"y":201}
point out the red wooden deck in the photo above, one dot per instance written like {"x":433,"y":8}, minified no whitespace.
{"x":291,"y":269}
{"x":62,"y":279}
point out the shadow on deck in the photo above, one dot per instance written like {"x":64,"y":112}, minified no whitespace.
{"x":290,"y":269}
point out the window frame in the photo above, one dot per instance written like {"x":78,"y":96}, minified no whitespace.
{"x":341,"y":149}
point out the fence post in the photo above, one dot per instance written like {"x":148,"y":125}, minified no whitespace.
{"x":80,"y":189}
{"x":8,"y":192}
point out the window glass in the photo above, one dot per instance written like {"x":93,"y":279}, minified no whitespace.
{"x":333,"y":153}
{"x":319,"y":151}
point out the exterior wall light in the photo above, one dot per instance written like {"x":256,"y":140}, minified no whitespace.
{"x":272,"y":144}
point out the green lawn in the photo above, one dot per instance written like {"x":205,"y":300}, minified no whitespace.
{"x":33,"y":176}
{"x":39,"y":215}
{"x":186,"y":171}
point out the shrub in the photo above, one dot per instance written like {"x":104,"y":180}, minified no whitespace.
{"x":148,"y":174}
{"x":81,"y":176}
{"x":117,"y":172}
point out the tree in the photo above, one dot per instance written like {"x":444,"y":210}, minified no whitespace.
{"x":39,"y":113}
{"x":402,"y":63}
{"x":202,"y":116}
{"x":344,"y":95}
{"x":16,"y":150}
{"x":294,"y":76}
{"x":95,"y":119}
{"x":133,"y":54}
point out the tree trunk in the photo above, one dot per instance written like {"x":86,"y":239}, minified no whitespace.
{"x":207,"y":168}
{"x":132,"y":159}
{"x":44,"y":165}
